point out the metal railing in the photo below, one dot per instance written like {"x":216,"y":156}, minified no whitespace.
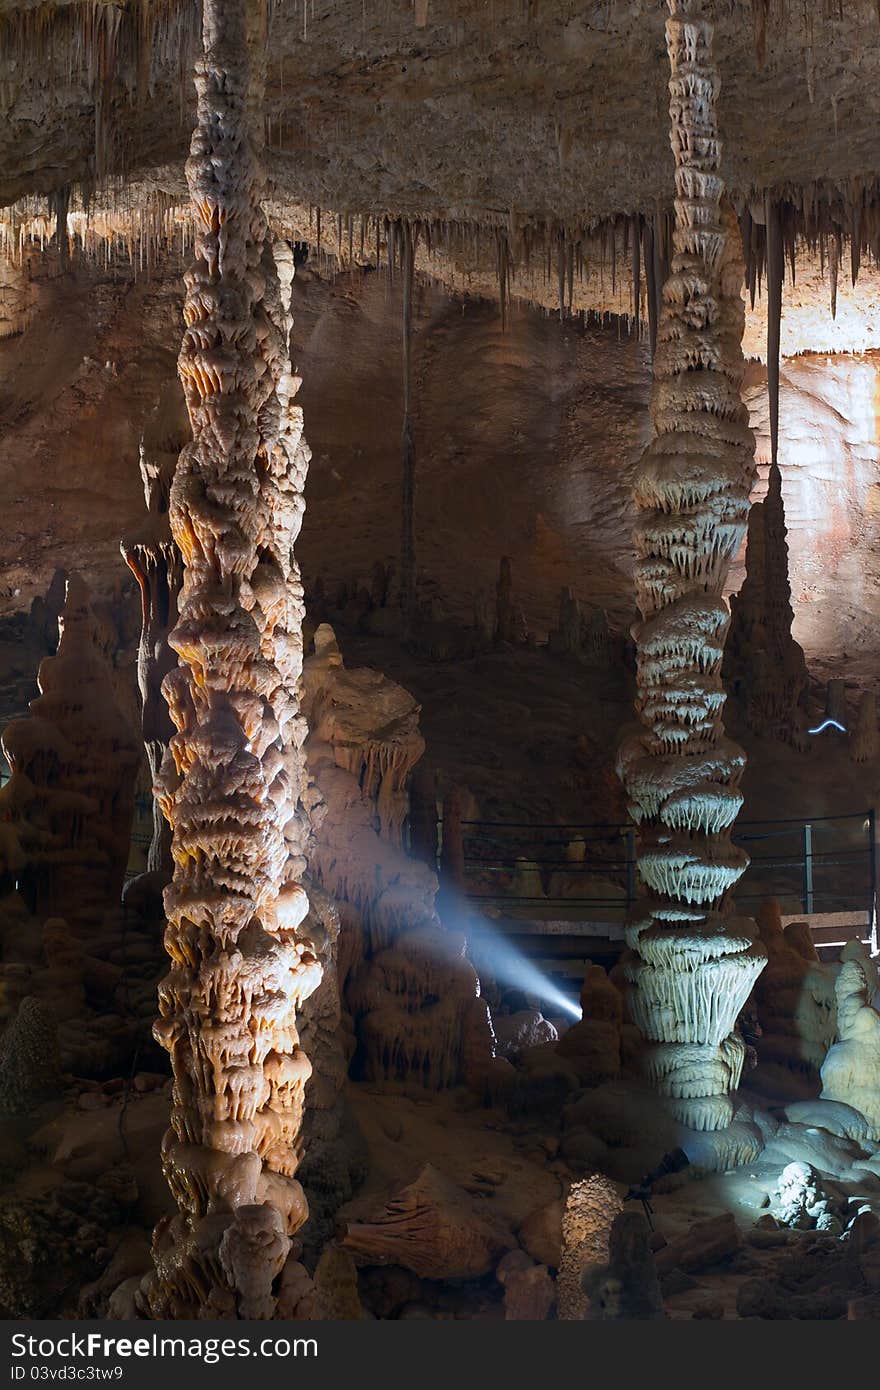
{"x":816,"y":865}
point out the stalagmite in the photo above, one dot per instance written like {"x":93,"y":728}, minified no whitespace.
{"x":591,"y":1208}
{"x":865,"y":743}
{"x":233,"y":780}
{"x":851,"y":1071}
{"x":697,"y":965}
{"x":794,"y":1004}
{"x":627,"y":1287}
{"x":762,"y":661}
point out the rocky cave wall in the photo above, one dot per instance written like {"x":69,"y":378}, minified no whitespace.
{"x":530,"y":457}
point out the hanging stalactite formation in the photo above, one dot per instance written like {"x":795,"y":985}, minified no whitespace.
{"x":234,"y":777}
{"x":697,"y":966}
{"x":591,"y":271}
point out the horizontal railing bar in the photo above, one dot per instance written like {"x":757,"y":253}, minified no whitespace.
{"x":623,"y":825}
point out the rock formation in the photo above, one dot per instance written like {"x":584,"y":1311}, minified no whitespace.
{"x":586,"y":637}
{"x":593,"y":1044}
{"x":517,"y":1032}
{"x":333,"y":1160}
{"x":46,"y":610}
{"x":851,"y":1071}
{"x":794,"y":1003}
{"x":412,"y":992}
{"x":336,"y":1285}
{"x":432,"y":1227}
{"x":155,"y":561}
{"x":30,"y":1064}
{"x":865,"y":742}
{"x":591,"y":1209}
{"x":509,"y":623}
{"x":372,"y":726}
{"x":62,"y":985}
{"x":232,"y":782}
{"x":627,"y":1286}
{"x":74,"y":760}
{"x":763,"y":663}
{"x":529,"y":1293}
{"x":697,"y":965}
{"x":802,"y":1201}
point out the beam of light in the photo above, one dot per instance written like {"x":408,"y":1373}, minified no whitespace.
{"x":504,"y":961}
{"x":827,"y":724}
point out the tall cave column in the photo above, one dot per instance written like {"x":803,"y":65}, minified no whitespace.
{"x":232,"y":782}
{"x":697,"y":964}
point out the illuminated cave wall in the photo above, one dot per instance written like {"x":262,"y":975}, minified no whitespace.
{"x":529,"y":455}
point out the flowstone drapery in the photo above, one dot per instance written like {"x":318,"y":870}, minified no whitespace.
{"x":233,"y":780}
{"x":697,"y":965}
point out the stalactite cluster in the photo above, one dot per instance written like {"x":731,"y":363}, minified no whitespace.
{"x":835,"y":224}
{"x":115,"y":50}
{"x":696,"y":967}
{"x":615,"y":265}
{"x":233,"y":780}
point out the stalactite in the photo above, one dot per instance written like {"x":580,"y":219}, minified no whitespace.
{"x":637,"y":274}
{"x":775,"y":273}
{"x":60,"y":203}
{"x":128,"y":223}
{"x":650,"y":281}
{"x":234,"y":778}
{"x":833,"y":271}
{"x":697,"y":965}
{"x":112,"y":49}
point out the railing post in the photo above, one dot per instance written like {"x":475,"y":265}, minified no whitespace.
{"x":808,"y":868}
{"x":630,"y":868}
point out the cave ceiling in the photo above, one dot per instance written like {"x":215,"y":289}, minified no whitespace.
{"x":490,"y":109}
